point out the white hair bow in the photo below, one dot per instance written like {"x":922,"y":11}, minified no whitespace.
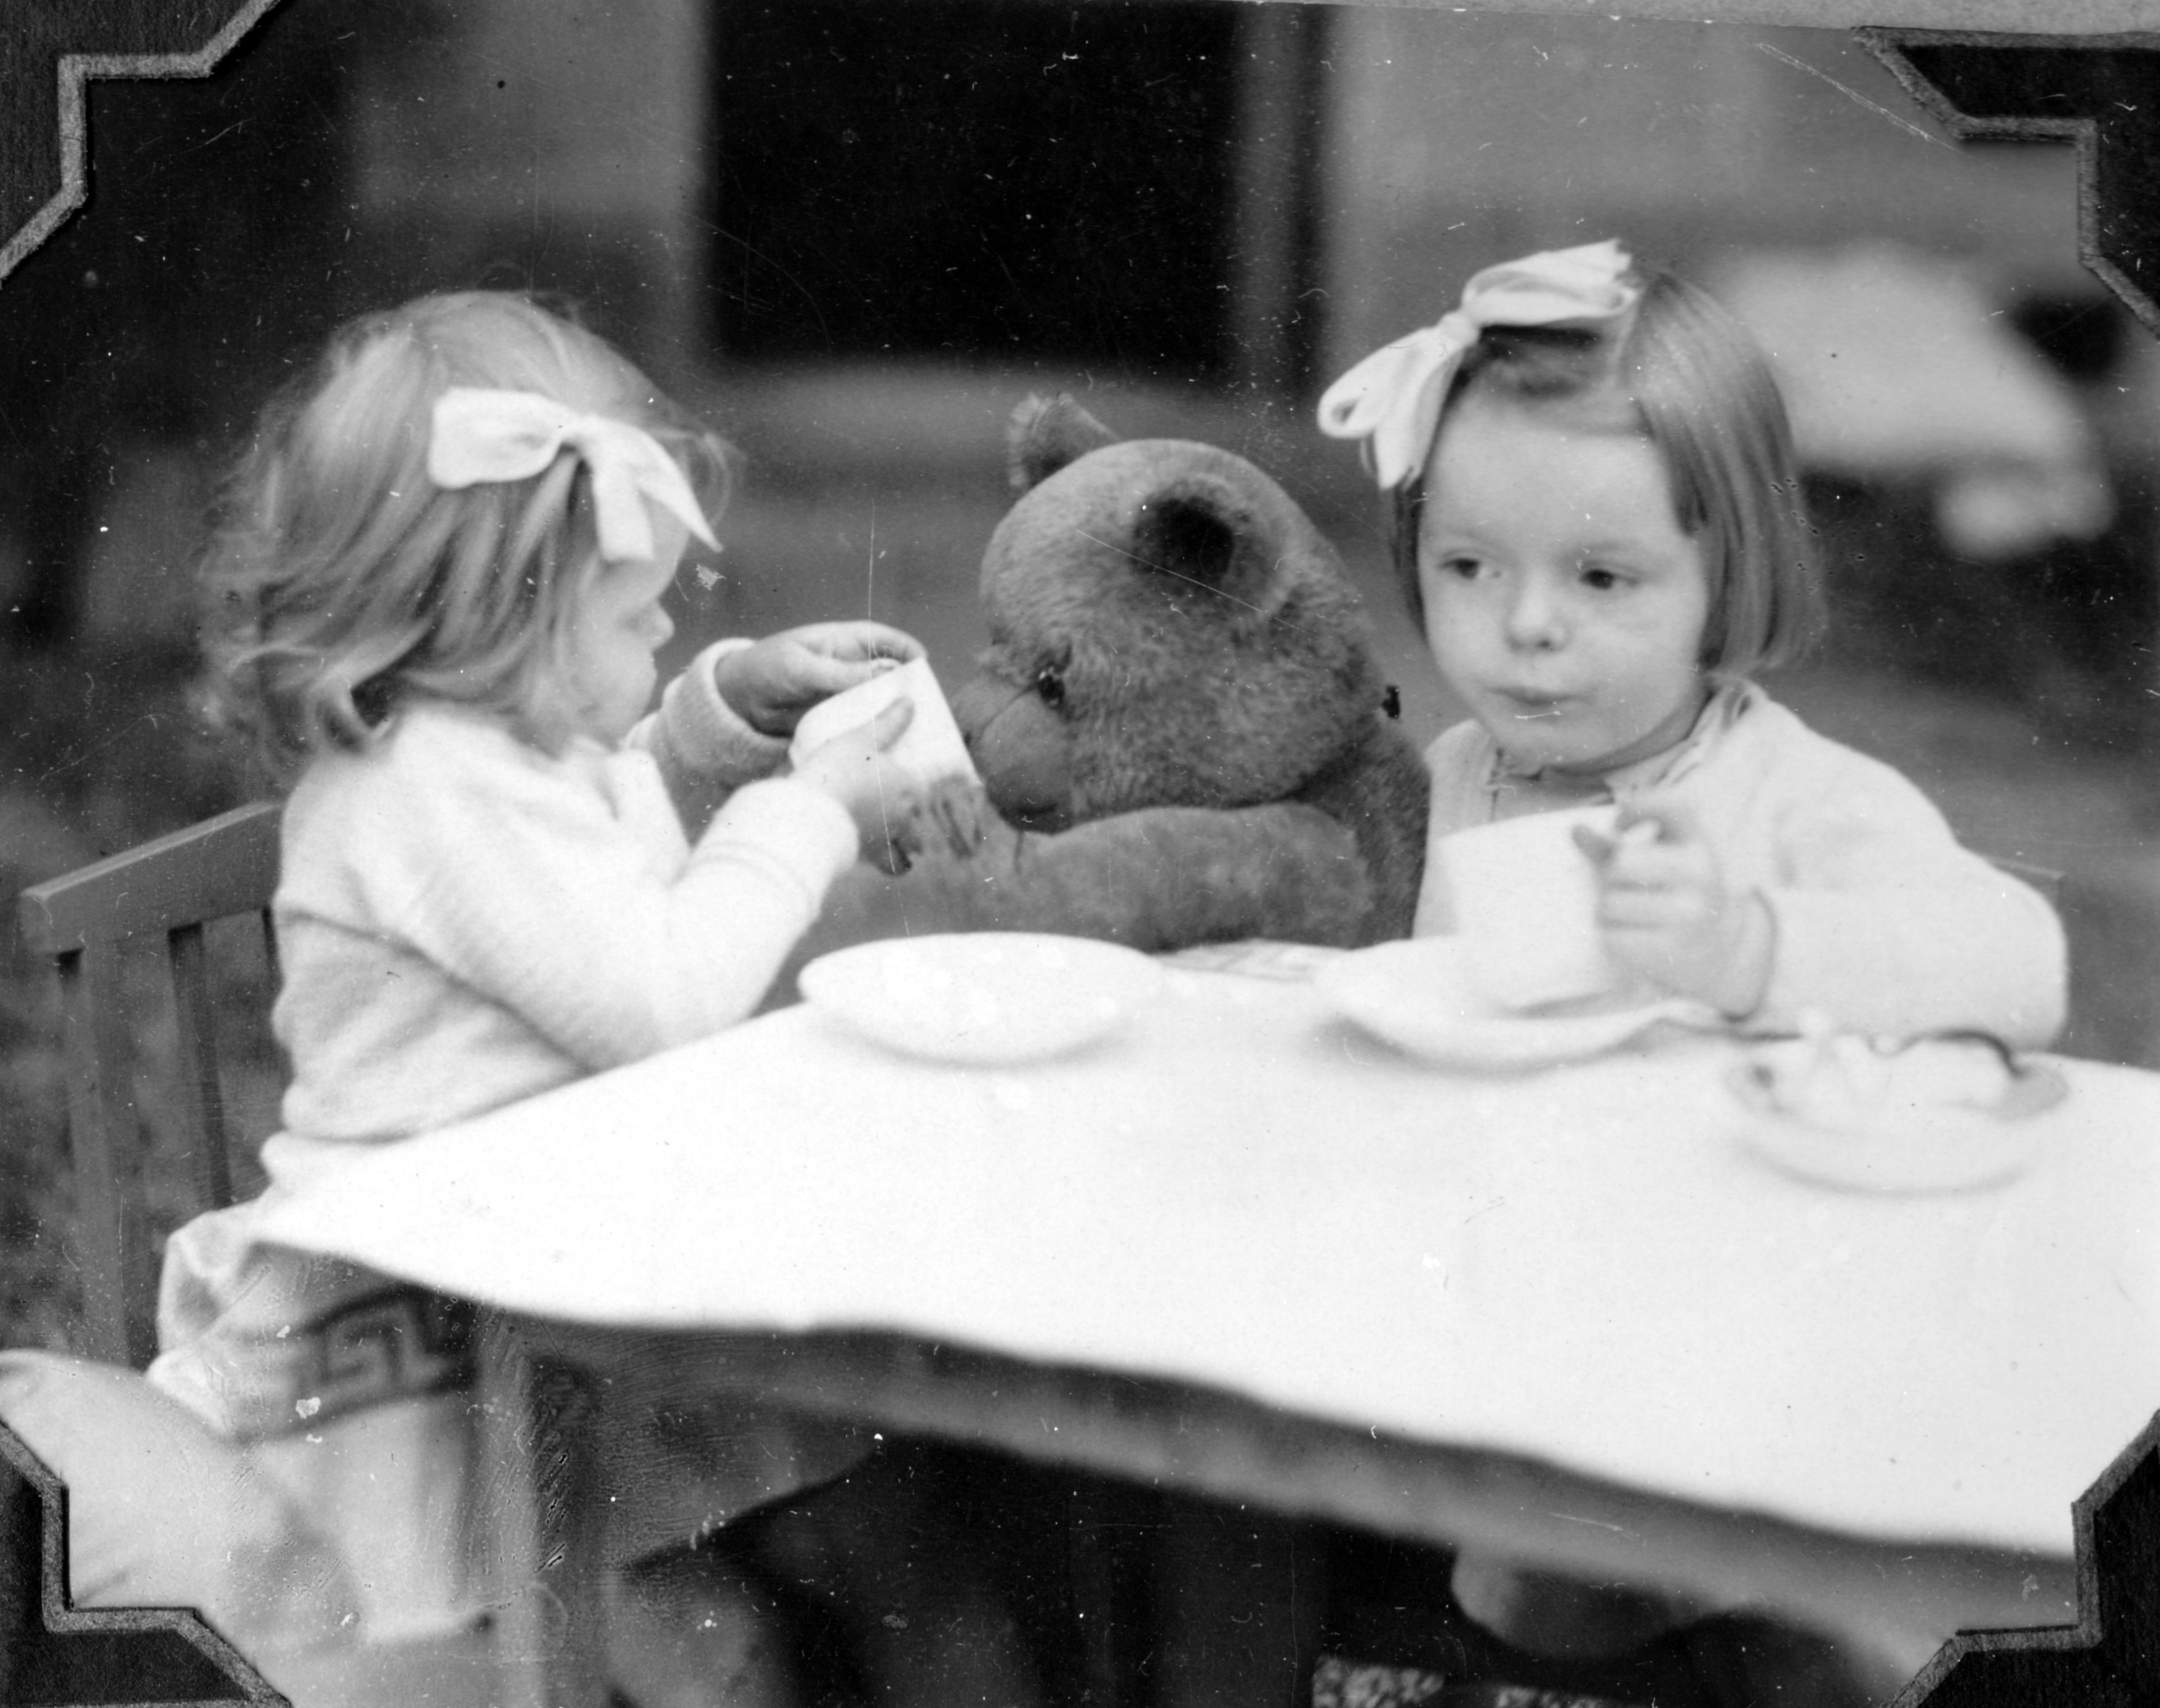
{"x":1392,"y":397}
{"x":480,"y":436}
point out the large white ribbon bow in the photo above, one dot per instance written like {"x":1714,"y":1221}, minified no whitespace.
{"x":1392,"y":397}
{"x":480,"y":436}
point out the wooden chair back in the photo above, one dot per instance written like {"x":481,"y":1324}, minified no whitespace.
{"x":169,"y":889}
{"x":545,"y":1649}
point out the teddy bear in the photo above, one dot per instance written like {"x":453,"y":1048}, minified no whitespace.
{"x":1180,"y":732}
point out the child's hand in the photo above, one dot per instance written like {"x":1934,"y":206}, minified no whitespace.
{"x":855,"y":769}
{"x":1668,"y":914}
{"x":773,"y":683}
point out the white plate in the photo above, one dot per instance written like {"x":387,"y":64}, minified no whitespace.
{"x":1419,"y":996}
{"x":982,"y":997}
{"x":1899,"y":1144}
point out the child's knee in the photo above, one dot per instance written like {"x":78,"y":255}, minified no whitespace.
{"x":1544,"y":1613}
{"x":689,"y":1628}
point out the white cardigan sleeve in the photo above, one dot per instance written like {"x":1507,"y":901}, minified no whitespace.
{"x":549,"y":887}
{"x":1883,"y":922}
{"x":706,"y":751}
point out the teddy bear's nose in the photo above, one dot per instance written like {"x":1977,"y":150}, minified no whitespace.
{"x":977,"y":703}
{"x":1022,"y":750}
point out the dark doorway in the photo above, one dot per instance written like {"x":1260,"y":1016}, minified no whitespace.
{"x":977,"y":180}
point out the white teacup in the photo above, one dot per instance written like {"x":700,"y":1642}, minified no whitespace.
{"x":930,"y":749}
{"x":1525,"y":903}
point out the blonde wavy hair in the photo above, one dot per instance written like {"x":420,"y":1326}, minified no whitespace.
{"x":344,"y":585}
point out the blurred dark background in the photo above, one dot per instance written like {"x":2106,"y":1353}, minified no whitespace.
{"x":855,"y":235}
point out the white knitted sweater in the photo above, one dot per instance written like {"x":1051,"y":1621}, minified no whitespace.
{"x":465,"y":921}
{"x":1883,"y":923}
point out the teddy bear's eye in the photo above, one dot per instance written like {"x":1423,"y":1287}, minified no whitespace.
{"x":1049,"y":683}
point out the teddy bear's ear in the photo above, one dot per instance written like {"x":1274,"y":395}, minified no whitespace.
{"x":1196,"y":530}
{"x":1045,"y":434}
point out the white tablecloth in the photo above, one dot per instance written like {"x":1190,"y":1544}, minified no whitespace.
{"x":1238,"y":1190}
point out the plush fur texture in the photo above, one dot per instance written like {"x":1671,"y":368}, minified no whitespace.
{"x":1179,"y":723}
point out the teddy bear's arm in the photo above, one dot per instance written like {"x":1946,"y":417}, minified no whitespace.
{"x":1168,"y":877}
{"x":1162,"y":878}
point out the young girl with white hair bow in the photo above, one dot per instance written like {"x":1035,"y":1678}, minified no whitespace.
{"x":436,"y":611}
{"x":1597,"y":522}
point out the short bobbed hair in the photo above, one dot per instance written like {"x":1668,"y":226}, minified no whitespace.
{"x":344,"y":583}
{"x":1682,"y":372}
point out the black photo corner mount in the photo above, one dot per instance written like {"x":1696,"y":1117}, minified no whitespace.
{"x":61,"y":1656}
{"x":2102,"y":93}
{"x":48,"y":53}
{"x":2111,"y":1658}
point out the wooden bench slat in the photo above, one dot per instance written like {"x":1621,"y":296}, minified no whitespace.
{"x":110,"y":1237}
{"x":202,"y":1096}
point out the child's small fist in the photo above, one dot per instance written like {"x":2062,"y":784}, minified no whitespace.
{"x":1668,"y":916}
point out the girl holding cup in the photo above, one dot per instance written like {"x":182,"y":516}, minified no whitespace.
{"x":436,"y":612}
{"x":1598,"y":523}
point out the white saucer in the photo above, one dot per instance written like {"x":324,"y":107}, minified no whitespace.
{"x":1418,"y":995}
{"x":982,"y":997}
{"x":1904,"y":1145}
